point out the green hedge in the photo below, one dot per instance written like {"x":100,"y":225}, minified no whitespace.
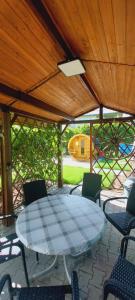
{"x":34,"y":152}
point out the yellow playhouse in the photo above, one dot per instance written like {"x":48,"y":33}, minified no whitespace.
{"x":79,"y":147}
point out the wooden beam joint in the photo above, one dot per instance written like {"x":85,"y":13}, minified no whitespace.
{"x":19,"y":95}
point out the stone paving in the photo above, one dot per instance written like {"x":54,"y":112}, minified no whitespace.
{"x":92,"y":268}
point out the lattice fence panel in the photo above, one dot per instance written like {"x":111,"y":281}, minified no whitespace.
{"x":34,"y":153}
{"x":114,"y":152}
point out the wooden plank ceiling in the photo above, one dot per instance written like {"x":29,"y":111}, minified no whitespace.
{"x":37,"y":35}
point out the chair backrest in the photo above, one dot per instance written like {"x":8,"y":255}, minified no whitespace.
{"x":91,"y":184}
{"x":34,"y":190}
{"x":131,"y":201}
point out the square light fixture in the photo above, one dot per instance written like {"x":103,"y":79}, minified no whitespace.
{"x":72,"y":67}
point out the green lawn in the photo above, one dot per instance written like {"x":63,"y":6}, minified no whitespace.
{"x":74,"y":175}
{"x":113,"y":164}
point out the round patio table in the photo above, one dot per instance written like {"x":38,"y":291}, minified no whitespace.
{"x":60,"y":225}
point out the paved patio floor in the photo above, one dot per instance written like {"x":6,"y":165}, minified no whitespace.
{"x":92,"y":268}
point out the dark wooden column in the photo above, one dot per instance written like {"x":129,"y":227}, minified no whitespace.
{"x":91,"y":157}
{"x":6,"y":165}
{"x":60,"y":163}
{"x":101,"y":113}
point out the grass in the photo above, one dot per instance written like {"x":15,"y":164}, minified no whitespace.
{"x":112,"y":163}
{"x":74,"y":175}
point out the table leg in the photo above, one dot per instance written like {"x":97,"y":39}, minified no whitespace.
{"x":46,"y":270}
{"x":66,"y":269}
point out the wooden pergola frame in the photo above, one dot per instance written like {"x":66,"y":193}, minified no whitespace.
{"x":30,"y":98}
{"x":6,"y":159}
{"x":7,"y":155}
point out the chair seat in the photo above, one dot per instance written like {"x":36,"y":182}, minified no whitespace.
{"x":121,"y":283}
{"x":122,"y":280}
{"x":120,"y":221}
{"x":8,"y":250}
{"x":124,"y":272}
{"x":43,"y":293}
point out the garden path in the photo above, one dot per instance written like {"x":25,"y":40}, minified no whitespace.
{"x":69,"y":161}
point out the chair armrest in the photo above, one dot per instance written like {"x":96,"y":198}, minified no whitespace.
{"x":3,"y":217}
{"x":74,"y":188}
{"x":132,"y":221}
{"x":111,"y":199}
{"x":75,"y":287}
{"x":98,"y":192}
{"x":19,"y":244}
{"x":123,"y":244}
{"x":6,"y":279}
{"x":6,"y":244}
{"x":117,"y":288}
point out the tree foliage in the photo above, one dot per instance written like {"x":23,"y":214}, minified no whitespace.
{"x":34,"y":152}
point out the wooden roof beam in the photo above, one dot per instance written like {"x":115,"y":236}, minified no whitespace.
{"x":89,"y":88}
{"x":32,"y":100}
{"x":47,"y":21}
{"x":98,"y":121}
{"x":22,"y":113}
{"x":119,"y":110}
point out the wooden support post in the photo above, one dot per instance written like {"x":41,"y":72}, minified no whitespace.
{"x":60,"y":162}
{"x":91,"y":165}
{"x":101,"y":113}
{"x":6,"y":166}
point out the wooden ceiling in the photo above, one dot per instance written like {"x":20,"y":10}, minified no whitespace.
{"x":37,"y":35}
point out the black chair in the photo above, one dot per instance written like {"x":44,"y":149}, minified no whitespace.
{"x":121,"y":283}
{"x":123,"y":221}
{"x":11,"y":247}
{"x":41,"y":293}
{"x":34,"y":190}
{"x":91,"y":187}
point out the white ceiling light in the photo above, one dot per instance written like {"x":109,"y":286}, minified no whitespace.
{"x":72,"y":67}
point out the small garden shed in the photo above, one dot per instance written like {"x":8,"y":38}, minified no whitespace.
{"x":79,"y":147}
